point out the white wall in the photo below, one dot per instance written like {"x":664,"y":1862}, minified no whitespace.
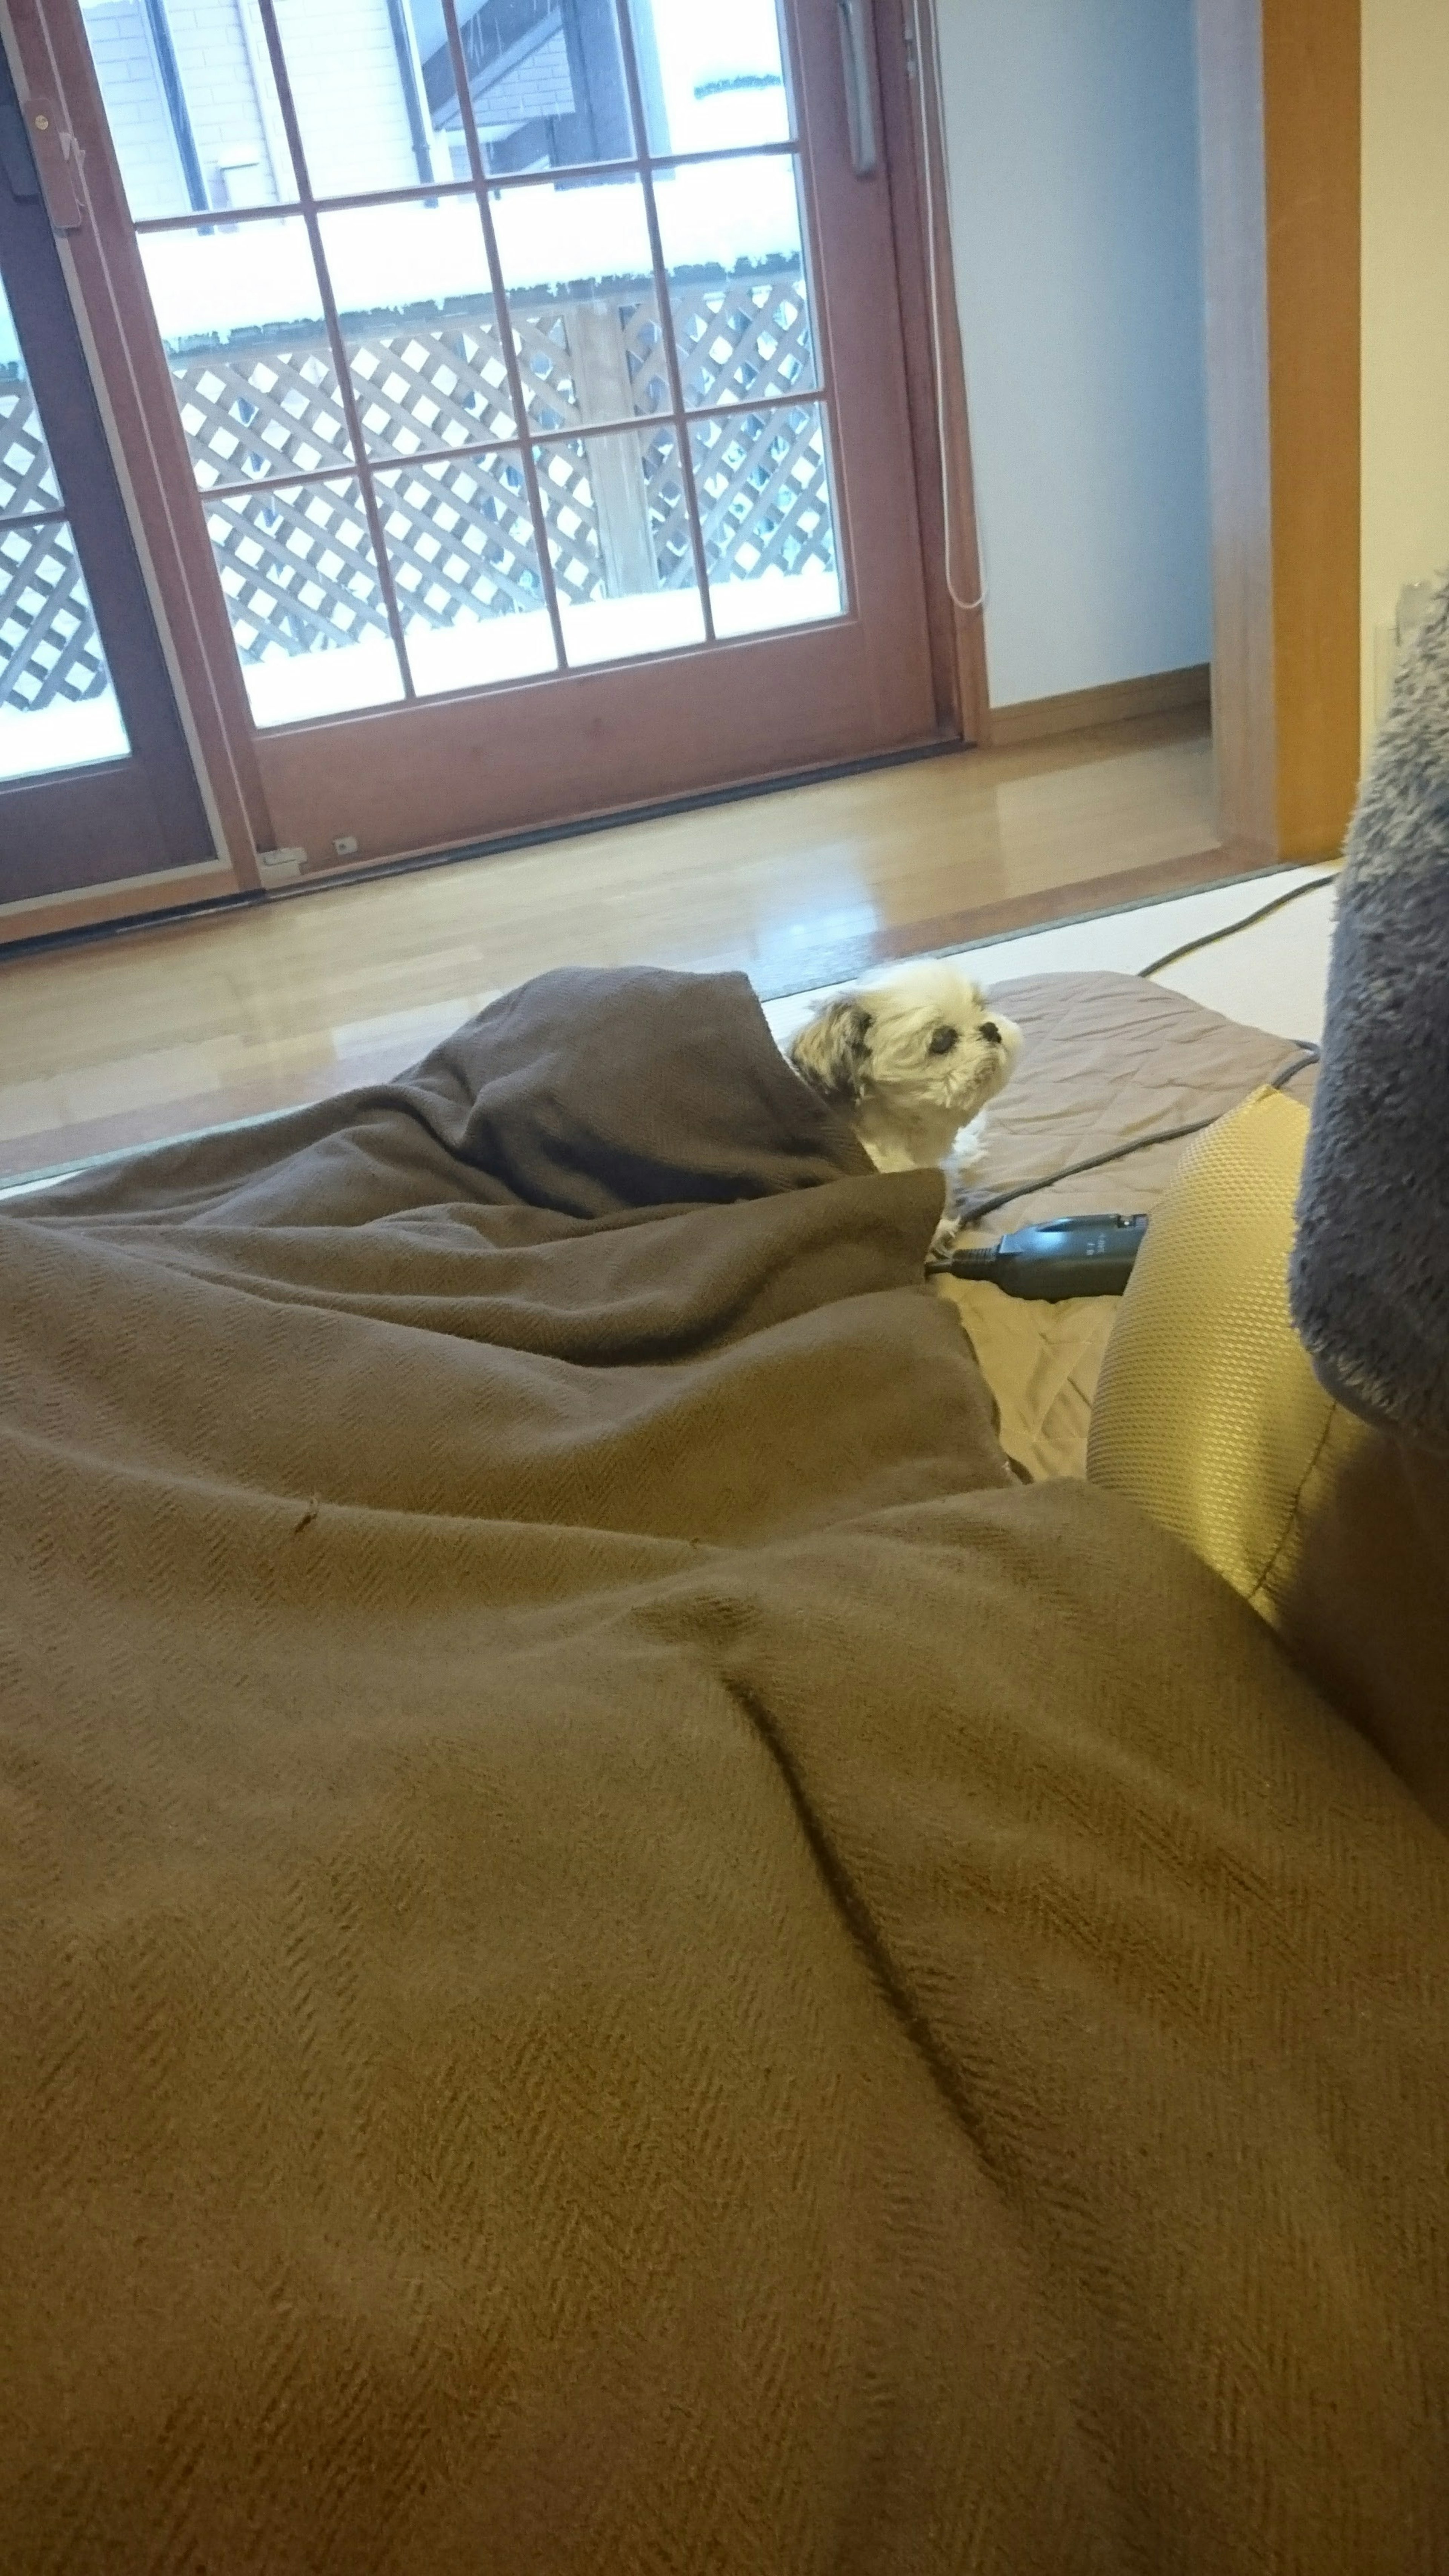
{"x":1405,"y":307}
{"x":1072,"y":133}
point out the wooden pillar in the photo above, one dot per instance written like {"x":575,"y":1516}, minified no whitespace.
{"x":1280,"y":110}
{"x":616,"y":463}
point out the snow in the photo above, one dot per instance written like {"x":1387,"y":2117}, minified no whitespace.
{"x":60,"y":736}
{"x":774,"y":599}
{"x":729,"y":214}
{"x":289,"y":688}
{"x":479,"y":652}
{"x":619,"y":630}
{"x":398,"y":258}
{"x":697,"y":53}
{"x":484,"y":652}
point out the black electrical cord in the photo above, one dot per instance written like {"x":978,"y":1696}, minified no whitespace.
{"x":1229,"y":930}
{"x":974,"y":1209}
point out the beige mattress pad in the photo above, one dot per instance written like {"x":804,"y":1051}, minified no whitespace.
{"x":1107,"y":1058}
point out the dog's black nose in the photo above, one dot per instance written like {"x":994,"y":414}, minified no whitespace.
{"x":991,"y":1032}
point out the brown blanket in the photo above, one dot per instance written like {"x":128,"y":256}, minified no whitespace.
{"x":615,"y":1954}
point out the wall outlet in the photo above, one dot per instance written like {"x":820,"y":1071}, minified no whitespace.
{"x":280,"y":867}
{"x":1415,"y":602}
{"x":345,"y":845}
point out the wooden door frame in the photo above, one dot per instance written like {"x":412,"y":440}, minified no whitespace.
{"x":926,"y":274}
{"x":137,"y":810}
{"x":108,"y":297}
{"x":414,"y":781}
{"x":1280,"y":106}
{"x":1279,"y":85}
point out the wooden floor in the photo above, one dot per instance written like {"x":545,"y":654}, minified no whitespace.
{"x":149,"y":1033}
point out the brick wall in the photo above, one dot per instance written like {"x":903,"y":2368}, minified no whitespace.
{"x":538,"y":86}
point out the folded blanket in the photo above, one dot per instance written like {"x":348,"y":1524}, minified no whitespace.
{"x":1370,"y":1274}
{"x":616,"y":1954}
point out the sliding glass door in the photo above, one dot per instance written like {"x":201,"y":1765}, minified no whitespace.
{"x":95,"y":781}
{"x":538,"y":379}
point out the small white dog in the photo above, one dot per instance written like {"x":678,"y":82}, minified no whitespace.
{"x":911,"y":1062}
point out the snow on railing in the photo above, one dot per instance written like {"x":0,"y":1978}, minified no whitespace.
{"x":714,"y":221}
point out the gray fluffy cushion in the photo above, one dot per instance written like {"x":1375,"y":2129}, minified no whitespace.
{"x":1370,"y":1274}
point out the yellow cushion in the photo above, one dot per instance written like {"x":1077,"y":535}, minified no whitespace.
{"x":1209,"y":1416}
{"x":1208,"y":1412}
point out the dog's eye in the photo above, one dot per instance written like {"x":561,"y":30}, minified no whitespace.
{"x":942,"y":1041}
{"x":991,"y":1032}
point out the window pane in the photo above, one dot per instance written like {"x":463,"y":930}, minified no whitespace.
{"x":421,"y":327}
{"x":191,"y":102}
{"x":465,"y":568}
{"x":763,"y":481}
{"x":241,"y":317}
{"x":714,"y":78}
{"x":27,"y":477}
{"x":618,"y":539}
{"x":301,"y":586}
{"x":580,"y":280}
{"x":546,"y":78}
{"x":57,"y":706}
{"x":357,"y":77}
{"x":378,"y":105}
{"x":732,"y":247}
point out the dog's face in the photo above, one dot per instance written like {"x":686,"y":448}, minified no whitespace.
{"x":927,"y":1041}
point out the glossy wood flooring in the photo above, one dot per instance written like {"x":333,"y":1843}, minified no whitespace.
{"x":150,"y":1033}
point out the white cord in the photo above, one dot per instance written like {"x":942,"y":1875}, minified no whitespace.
{"x":967,"y":607}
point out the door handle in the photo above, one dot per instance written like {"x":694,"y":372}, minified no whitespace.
{"x":856,"y":46}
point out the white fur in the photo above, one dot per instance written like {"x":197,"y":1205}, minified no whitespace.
{"x":870,"y":1053}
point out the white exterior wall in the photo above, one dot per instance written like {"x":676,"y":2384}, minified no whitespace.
{"x":221,"y":100}
{"x":120,"y":42}
{"x":350,"y":102}
{"x":345,"y":80}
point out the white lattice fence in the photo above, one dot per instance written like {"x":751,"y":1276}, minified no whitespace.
{"x":298,"y":564}
{"x":299,"y":570}
{"x":49,"y":649}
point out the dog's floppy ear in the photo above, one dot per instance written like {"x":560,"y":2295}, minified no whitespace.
{"x":832,"y":1050}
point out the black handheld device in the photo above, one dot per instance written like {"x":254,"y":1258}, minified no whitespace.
{"x":1073,"y":1256}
